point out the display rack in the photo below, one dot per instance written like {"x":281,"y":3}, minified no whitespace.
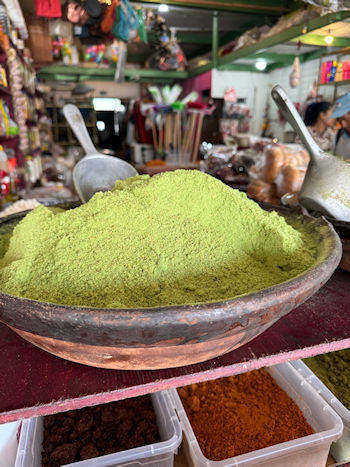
{"x":60,"y":72}
{"x":335,"y":84}
{"x":34,"y":382}
{"x":62,"y":132}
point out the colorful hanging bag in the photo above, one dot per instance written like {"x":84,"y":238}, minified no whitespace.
{"x":126,"y":19}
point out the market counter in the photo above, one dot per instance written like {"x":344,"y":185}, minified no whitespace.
{"x":34,"y":382}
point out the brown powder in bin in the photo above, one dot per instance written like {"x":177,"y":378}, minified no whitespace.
{"x":239,"y":414}
{"x":99,"y":430}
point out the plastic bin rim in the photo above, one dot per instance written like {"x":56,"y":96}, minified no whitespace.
{"x":316,"y":438}
{"x":135,"y":454}
{"x":326,"y":393}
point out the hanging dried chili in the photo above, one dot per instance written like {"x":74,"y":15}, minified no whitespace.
{"x":239,"y":414}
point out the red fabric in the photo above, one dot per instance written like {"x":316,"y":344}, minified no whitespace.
{"x":144,"y":136}
{"x":48,"y":8}
{"x":108,"y":20}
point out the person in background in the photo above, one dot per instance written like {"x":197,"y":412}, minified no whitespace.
{"x":320,"y":124}
{"x":342,"y":139}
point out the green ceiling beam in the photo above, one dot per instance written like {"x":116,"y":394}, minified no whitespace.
{"x":302,"y":57}
{"x":188,"y":37}
{"x":75,"y":72}
{"x":229,"y":36}
{"x":318,"y":39}
{"x":285,"y":36}
{"x":64,"y":73}
{"x":149,"y":73}
{"x":273,"y":57}
{"x":270,"y":7}
{"x":200,"y":69}
{"x":240,"y":67}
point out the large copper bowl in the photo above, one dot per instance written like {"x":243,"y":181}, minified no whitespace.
{"x":151,"y":338}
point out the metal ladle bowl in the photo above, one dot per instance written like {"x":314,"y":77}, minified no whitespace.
{"x":326,"y":186}
{"x":94,"y":172}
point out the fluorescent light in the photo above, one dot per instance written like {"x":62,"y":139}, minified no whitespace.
{"x":260,"y":64}
{"x":106,"y":103}
{"x":329,"y":39}
{"x":163,"y":8}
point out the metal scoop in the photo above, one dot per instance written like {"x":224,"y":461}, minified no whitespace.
{"x":95,"y":171}
{"x":326,"y":186}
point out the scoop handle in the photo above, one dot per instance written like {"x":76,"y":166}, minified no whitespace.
{"x":292,"y":116}
{"x":77,"y":124}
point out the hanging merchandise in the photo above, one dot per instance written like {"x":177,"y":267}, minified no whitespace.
{"x":4,"y":40}
{"x":126,"y":20}
{"x":4,"y":20}
{"x":18,"y":97}
{"x":142,"y":32}
{"x":294,"y":79}
{"x":87,"y":16}
{"x":119,"y":74}
{"x":48,"y":8}
{"x":230,"y":95}
{"x":330,"y":5}
{"x":168,"y":55}
{"x":3,"y":77}
{"x":61,"y":28}
{"x":108,"y":20}
{"x":112,"y":51}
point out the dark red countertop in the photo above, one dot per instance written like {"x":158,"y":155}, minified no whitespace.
{"x":33,"y":382}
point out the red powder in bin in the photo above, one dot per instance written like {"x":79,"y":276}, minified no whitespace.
{"x":236,"y":415}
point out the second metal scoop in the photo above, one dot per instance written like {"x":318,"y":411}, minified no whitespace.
{"x":94,"y":172}
{"x":326,"y":186}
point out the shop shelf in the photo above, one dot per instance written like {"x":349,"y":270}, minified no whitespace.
{"x":344,"y":82}
{"x":34,"y":382}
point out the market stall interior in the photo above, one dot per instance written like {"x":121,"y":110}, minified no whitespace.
{"x":168,"y":252}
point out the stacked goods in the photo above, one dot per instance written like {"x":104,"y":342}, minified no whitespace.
{"x":279,"y":170}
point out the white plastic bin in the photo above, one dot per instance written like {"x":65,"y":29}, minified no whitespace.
{"x":340,"y":449}
{"x":309,"y":451}
{"x":156,"y":455}
{"x":8,"y":443}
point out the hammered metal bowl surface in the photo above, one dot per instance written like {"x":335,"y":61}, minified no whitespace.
{"x":165,"y":337}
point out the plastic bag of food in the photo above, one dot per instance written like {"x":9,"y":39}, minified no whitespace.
{"x":262,"y":191}
{"x":294,"y":79}
{"x":290,"y":180}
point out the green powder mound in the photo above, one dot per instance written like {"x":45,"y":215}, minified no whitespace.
{"x":180,"y":237}
{"x":4,"y":243}
{"x":333,"y":369}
